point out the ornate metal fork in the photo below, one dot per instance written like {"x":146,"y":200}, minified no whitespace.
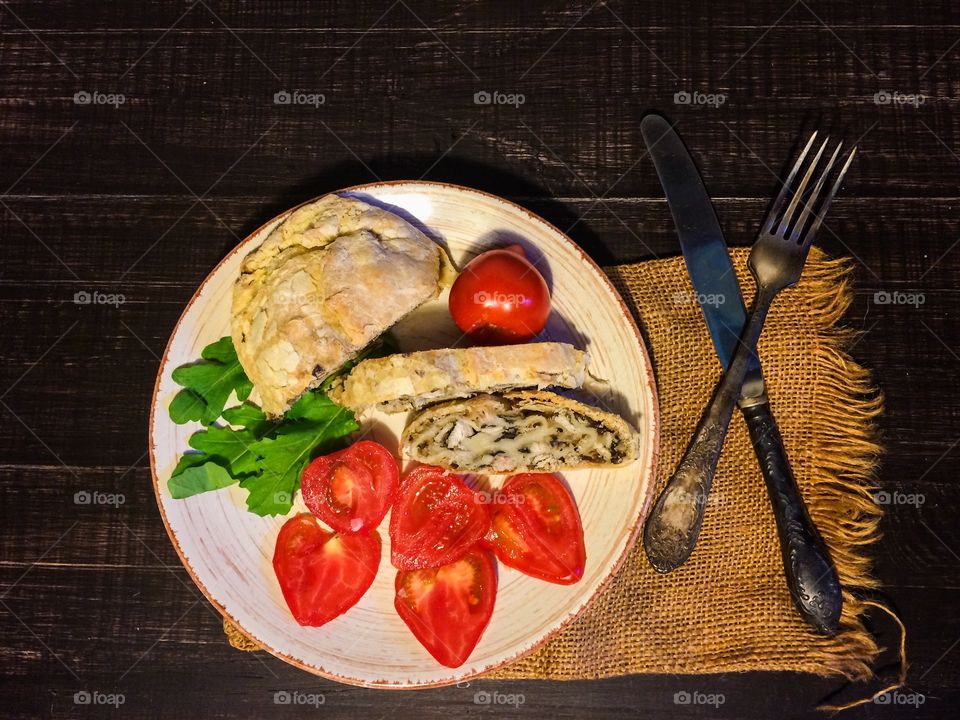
{"x":776,"y":262}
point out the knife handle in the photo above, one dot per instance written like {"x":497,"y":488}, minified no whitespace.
{"x":811,"y":576}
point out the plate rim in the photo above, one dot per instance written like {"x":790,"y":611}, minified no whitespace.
{"x":634,"y":530}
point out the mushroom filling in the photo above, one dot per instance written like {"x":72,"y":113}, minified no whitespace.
{"x":539,"y":439}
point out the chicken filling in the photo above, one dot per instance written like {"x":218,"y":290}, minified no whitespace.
{"x":537,"y":439}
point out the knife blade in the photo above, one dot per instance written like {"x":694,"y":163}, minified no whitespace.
{"x":701,"y":239}
{"x":810,"y":574}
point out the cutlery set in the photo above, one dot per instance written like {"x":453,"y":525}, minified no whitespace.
{"x":776,"y":261}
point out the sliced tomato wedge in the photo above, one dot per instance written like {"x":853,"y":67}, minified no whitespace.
{"x":537,"y":529}
{"x":448,"y":608}
{"x":435,"y":520}
{"x":323,"y":574}
{"x":351,"y":489}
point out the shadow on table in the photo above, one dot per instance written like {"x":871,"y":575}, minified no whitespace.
{"x":523,"y":191}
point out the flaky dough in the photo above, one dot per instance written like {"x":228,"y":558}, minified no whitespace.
{"x":409,"y":382}
{"x":332,"y":277}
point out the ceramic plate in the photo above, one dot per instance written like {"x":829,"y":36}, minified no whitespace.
{"x":228,"y":551}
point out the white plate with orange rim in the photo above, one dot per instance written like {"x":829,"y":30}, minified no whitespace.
{"x":228,"y":551}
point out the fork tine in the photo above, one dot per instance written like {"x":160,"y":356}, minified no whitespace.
{"x":818,"y":218}
{"x":785,"y":190}
{"x":797,"y":232}
{"x":798,"y":193}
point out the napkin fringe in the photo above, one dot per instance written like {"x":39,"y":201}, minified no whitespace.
{"x":844,"y":414}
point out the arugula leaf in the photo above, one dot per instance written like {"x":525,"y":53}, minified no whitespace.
{"x":222,"y":351}
{"x":315,"y":425}
{"x":268,"y":466}
{"x":199,"y":478}
{"x":315,"y":407}
{"x":270,"y":492}
{"x":250,"y":417}
{"x":188,"y":460}
{"x":233,"y":449}
{"x":207,"y":384}
{"x":266,"y":457}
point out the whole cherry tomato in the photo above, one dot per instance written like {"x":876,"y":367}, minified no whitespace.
{"x":500,"y":298}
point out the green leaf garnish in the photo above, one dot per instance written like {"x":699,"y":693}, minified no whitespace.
{"x":207,"y":384}
{"x":233,"y":449}
{"x":313,"y":426}
{"x":199,"y":478}
{"x":266,"y":457}
{"x":188,"y":460}
{"x":248,"y":416}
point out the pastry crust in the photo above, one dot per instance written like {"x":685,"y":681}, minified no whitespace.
{"x":519,"y":432}
{"x":398,"y":383}
{"x":326,"y":282}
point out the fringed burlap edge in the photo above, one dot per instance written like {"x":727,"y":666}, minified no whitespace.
{"x":846,"y":407}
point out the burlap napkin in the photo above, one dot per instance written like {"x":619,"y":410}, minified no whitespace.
{"x":728,"y":608}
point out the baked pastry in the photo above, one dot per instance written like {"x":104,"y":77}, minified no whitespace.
{"x":397,"y":383}
{"x":519,"y":432}
{"x":326,"y":282}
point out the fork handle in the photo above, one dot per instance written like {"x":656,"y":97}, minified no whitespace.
{"x":811,"y":577}
{"x":674,"y":524}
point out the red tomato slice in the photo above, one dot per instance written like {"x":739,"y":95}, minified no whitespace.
{"x":449,"y":607}
{"x":352,"y":489}
{"x":500,"y":298}
{"x":537,"y":529}
{"x":435,"y":519}
{"x":322,"y":575}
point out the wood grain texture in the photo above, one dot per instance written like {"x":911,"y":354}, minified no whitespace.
{"x":124,"y":218}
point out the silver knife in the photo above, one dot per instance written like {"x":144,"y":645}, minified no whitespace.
{"x":811,"y":576}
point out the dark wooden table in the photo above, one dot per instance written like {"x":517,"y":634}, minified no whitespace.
{"x":140,"y":141}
